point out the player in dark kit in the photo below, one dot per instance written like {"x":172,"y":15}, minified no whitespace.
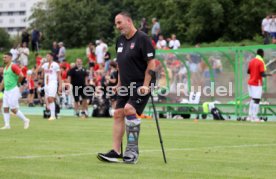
{"x":135,"y":55}
{"x":78,"y":77}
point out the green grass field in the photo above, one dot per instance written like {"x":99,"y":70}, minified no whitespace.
{"x":67,"y":148}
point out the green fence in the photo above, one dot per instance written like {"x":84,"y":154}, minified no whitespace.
{"x":220,"y":74}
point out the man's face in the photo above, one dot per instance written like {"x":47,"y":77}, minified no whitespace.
{"x":161,"y":37}
{"x":49,"y":57}
{"x":79,"y":62}
{"x":173,"y":37}
{"x":6,"y":59}
{"x":122,"y":24}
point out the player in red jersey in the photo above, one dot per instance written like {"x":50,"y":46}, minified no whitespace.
{"x":256,"y":70}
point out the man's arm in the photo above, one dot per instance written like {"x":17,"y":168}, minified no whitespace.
{"x":263,"y":70}
{"x":69,"y":79}
{"x":119,"y":79}
{"x":59,"y":82}
{"x":1,"y":85}
{"x":18,"y":72}
{"x":20,"y":77}
{"x":263,"y":74}
{"x":26,"y":52}
{"x":112,"y":80}
{"x":149,"y":70}
{"x":39,"y":68}
{"x":59,"y":78}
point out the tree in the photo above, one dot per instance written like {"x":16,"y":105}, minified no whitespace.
{"x":75,"y":22}
{"x":4,"y":39}
{"x":78,"y":21}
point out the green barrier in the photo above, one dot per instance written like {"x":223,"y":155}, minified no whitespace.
{"x":211,"y":69}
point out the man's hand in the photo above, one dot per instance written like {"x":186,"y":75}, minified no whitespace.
{"x":60,"y":89}
{"x":144,"y":90}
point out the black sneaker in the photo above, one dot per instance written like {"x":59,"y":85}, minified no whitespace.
{"x":110,"y":156}
{"x":83,"y":114}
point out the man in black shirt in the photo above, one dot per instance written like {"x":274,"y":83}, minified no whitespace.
{"x":55,"y":50}
{"x":135,"y":55}
{"x":25,"y":37}
{"x":78,"y":76}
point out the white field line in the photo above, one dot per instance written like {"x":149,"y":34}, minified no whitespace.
{"x":142,"y":151}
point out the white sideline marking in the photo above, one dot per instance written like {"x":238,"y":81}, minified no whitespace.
{"x":142,"y":151}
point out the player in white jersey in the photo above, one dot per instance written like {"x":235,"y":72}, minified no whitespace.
{"x":52,"y":83}
{"x":12,"y":76}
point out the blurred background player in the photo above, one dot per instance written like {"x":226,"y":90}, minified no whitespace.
{"x":31,"y":87}
{"x":78,"y":77}
{"x":256,"y":70}
{"x":52,"y":83}
{"x":12,"y":76}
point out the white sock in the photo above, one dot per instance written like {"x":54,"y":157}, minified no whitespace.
{"x":7,"y":119}
{"x":21,"y":116}
{"x":52,"y":108}
{"x":250,"y":110}
{"x":255,"y":111}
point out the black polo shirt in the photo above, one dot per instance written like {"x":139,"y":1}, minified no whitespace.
{"x":77,"y":76}
{"x":132,"y":57}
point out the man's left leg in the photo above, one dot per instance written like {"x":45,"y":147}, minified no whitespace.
{"x":256,"y":96}
{"x":14,"y":106}
{"x":255,"y":110}
{"x":22,"y":117}
{"x":135,"y":105}
{"x":132,"y":130}
{"x":52,"y":107}
{"x":84,"y":104}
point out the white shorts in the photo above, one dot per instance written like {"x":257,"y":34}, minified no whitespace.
{"x":10,"y":98}
{"x":100,"y":60}
{"x":255,"y":91}
{"x":50,"y":90}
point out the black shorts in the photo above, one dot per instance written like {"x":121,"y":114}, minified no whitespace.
{"x":137,"y":101}
{"x":91,"y":64}
{"x":77,"y":93}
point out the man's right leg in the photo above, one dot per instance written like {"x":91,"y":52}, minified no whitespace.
{"x":255,"y":109}
{"x":76,"y":107}
{"x":115,"y":155}
{"x":250,"y":110}
{"x":6,"y":115}
{"x":118,"y":129}
{"x":76,"y":102}
{"x":52,"y":107}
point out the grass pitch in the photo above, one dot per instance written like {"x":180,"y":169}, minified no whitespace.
{"x":67,"y":148}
